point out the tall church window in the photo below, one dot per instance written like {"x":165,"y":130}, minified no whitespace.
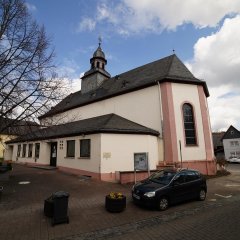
{"x":189,"y":124}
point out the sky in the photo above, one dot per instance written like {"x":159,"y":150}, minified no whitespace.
{"x":205,"y":35}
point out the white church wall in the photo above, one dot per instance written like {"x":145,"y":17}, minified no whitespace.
{"x":118,"y":151}
{"x":141,"y":106}
{"x":183,"y":93}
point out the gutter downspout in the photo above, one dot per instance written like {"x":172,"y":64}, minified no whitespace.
{"x":161,"y":116}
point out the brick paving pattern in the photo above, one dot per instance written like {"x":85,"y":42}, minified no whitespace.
{"x":21,"y":210}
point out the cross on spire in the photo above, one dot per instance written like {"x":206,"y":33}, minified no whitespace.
{"x":99,"y":40}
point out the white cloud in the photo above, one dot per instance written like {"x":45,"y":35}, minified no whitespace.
{"x":177,"y":12}
{"x":134,"y":16}
{"x":30,"y":7}
{"x":86,"y":24}
{"x":217,"y":57}
{"x":69,"y":73}
{"x":76,"y":83}
{"x":217,"y":60}
{"x":223,"y":105}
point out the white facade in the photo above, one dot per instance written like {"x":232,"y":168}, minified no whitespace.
{"x":183,"y":93}
{"x":231,"y":147}
{"x":145,"y":107}
{"x":110,"y":153}
{"x":156,"y":105}
{"x":142,"y":106}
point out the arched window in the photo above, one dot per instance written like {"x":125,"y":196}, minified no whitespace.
{"x":189,"y":124}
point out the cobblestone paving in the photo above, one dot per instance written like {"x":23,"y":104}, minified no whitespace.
{"x":178,"y":225}
{"x":22,"y":218}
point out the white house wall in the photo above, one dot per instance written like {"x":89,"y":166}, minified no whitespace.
{"x":183,"y":93}
{"x":228,"y":148}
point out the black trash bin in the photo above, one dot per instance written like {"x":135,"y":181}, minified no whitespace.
{"x":48,"y":207}
{"x":1,"y":190}
{"x":56,"y":207}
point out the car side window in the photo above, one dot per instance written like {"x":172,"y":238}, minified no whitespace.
{"x":191,"y":176}
{"x":180,"y":178}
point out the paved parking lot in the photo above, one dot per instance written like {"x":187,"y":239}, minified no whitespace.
{"x":21,"y":206}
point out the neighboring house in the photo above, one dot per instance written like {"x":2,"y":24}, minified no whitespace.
{"x":231,"y":143}
{"x":10,"y":129}
{"x":218,"y":144}
{"x":157,"y":112}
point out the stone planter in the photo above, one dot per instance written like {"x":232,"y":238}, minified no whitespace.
{"x":115,"y":205}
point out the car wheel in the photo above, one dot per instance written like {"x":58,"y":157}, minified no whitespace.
{"x":163,"y":204}
{"x":202,"y":195}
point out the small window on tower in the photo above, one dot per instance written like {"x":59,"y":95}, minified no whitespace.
{"x":98,"y":64}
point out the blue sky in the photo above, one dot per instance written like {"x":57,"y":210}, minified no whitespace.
{"x":204,"y":34}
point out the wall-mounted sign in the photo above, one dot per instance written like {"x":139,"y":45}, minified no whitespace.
{"x":107,"y":155}
{"x":141,"y":161}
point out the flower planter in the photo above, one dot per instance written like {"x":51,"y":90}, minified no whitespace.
{"x":115,"y":204}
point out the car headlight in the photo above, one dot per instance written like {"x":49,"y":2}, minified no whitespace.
{"x":150,"y":194}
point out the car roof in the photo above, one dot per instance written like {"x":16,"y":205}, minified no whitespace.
{"x":176,"y":170}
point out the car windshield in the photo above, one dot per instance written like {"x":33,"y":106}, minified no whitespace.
{"x":162,"y":177}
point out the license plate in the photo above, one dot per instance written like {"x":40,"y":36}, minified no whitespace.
{"x":136,"y":196}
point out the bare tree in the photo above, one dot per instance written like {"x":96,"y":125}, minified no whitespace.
{"x":29,"y":85}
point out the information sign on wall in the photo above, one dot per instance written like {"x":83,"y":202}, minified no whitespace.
{"x":141,"y":161}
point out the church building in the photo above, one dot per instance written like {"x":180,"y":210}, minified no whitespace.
{"x":147,"y":118}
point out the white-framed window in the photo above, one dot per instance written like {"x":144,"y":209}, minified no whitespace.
{"x":71,"y":148}
{"x":234,"y":143}
{"x":232,"y":154}
{"x":24,"y":150}
{"x":85,"y":148}
{"x":235,"y":153}
{"x":30,"y":147}
{"x":19,"y":150}
{"x":37,"y":150}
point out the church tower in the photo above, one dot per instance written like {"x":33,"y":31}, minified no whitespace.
{"x":93,"y":78}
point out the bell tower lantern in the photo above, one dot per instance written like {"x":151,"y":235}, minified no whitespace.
{"x":93,"y":78}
